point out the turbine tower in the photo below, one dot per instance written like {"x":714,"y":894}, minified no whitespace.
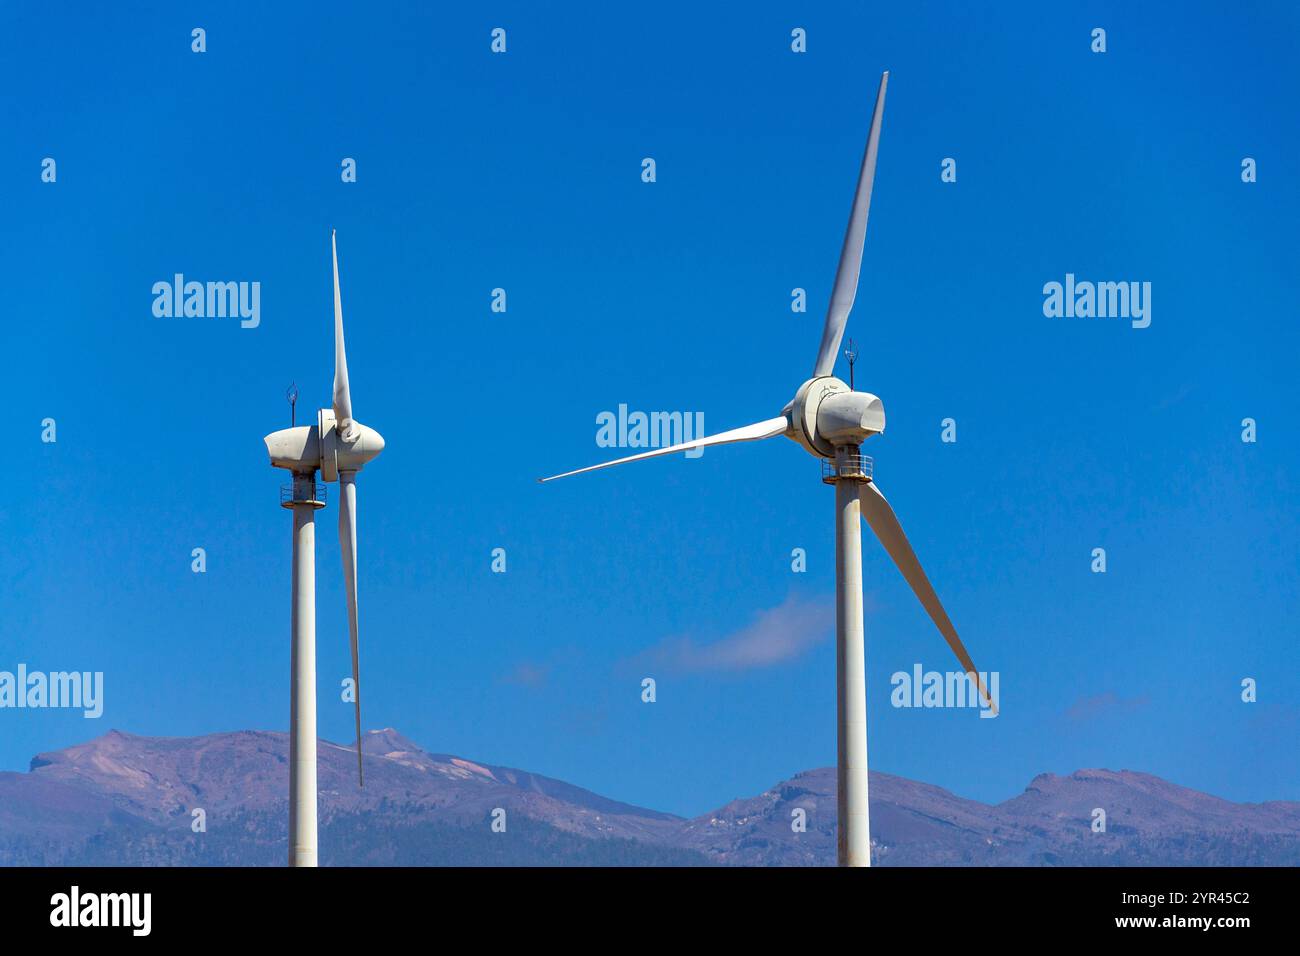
{"x":337,"y":446}
{"x":831,"y":421}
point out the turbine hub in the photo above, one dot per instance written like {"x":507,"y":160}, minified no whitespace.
{"x":826,"y":414}
{"x":337,"y":453}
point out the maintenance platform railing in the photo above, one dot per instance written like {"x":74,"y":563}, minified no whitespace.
{"x":853,"y":465}
{"x":303,"y":492}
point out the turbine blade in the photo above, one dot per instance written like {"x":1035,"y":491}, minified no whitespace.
{"x":755,"y":432}
{"x":883,"y":521}
{"x":342,"y":394}
{"x":846,"y":277}
{"x":348,"y":549}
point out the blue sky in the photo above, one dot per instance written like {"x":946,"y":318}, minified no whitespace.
{"x":522,"y":171}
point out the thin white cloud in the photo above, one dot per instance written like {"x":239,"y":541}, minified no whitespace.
{"x":1104,"y":705}
{"x":528,"y":674}
{"x":775,"y":636}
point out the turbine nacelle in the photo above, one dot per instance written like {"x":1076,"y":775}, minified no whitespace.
{"x":297,"y":449}
{"x":320,"y":447}
{"x":826,"y":413}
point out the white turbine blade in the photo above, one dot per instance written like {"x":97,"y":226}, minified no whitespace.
{"x":348,"y":549}
{"x":883,"y":521}
{"x":755,"y":432}
{"x":846,"y":277}
{"x":342,"y":394}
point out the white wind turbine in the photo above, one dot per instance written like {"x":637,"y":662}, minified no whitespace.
{"x":338,"y":446}
{"x":831,"y":421}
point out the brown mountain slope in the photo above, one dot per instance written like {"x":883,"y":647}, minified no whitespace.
{"x":128,"y":800}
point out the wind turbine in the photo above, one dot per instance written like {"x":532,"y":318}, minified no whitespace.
{"x":831,"y":421}
{"x":337,"y":446}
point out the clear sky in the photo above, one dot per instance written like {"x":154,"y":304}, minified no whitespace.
{"x":523,"y":171}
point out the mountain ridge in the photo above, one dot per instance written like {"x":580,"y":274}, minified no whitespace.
{"x":123,"y":799}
